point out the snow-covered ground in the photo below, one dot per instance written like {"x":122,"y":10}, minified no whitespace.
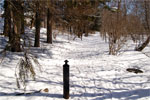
{"x":94,"y":75}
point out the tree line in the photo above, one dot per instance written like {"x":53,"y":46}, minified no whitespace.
{"x":116,"y":20}
{"x":75,"y":16}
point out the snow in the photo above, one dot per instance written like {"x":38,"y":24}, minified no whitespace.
{"x":94,"y":75}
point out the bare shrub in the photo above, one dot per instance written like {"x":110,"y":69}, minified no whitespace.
{"x":114,"y":29}
{"x":25,"y":70}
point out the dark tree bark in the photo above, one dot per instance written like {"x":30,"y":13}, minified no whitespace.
{"x":37,"y":26}
{"x":144,"y":44}
{"x":15,"y":37}
{"x":15,"y":44}
{"x":22,"y":18}
{"x":49,"y":26}
{"x":7,"y":19}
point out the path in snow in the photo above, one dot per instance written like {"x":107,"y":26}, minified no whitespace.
{"x":96,"y":75}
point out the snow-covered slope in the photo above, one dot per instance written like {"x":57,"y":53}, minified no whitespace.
{"x":94,"y":75}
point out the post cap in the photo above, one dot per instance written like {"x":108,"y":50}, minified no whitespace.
{"x":66,"y":61}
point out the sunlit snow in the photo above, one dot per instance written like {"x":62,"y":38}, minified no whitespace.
{"x":94,"y":75}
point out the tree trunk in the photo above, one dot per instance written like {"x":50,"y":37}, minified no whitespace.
{"x":32,"y":21}
{"x":7,"y":19}
{"x":37,"y":27}
{"x":146,"y":8}
{"x":49,"y":26}
{"x":22,"y":18}
{"x":140,"y":48}
{"x":15,"y":37}
{"x":45,"y":22}
{"x":15,"y":45}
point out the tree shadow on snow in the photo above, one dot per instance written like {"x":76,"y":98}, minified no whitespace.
{"x":128,"y":95}
{"x":41,"y":52}
{"x":34,"y":94}
{"x":102,"y":93}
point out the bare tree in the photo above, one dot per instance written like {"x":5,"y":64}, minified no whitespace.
{"x":114,"y":27}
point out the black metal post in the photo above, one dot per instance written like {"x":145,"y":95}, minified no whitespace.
{"x":66,"y":80}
